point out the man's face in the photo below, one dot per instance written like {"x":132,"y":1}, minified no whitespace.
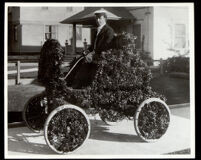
{"x":100,"y":20}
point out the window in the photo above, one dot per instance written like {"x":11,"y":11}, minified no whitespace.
{"x":180,"y":36}
{"x":78,"y":32}
{"x":50,"y":32}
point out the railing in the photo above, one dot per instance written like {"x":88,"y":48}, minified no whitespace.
{"x":160,"y":66}
{"x":18,"y":61}
{"x":68,"y":48}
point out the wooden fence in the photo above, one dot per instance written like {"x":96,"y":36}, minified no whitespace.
{"x":19,"y":60}
{"x":160,"y":66}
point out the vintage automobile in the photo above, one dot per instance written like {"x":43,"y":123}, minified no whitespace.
{"x":119,"y":90}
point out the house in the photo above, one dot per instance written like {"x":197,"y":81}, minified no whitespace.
{"x":162,"y":31}
{"x":29,"y":27}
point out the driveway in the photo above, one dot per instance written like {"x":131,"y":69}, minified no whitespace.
{"x":109,"y":141}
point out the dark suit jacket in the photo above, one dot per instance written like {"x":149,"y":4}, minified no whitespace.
{"x":104,"y":39}
{"x":85,"y":72}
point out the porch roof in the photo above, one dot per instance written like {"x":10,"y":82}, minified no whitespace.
{"x":86,"y":17}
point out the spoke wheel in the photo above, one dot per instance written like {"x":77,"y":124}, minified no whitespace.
{"x":34,"y":113}
{"x":152,"y":119}
{"x":66,"y":129}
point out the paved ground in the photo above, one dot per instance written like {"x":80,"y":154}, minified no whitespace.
{"x":181,"y":112}
{"x":104,"y":140}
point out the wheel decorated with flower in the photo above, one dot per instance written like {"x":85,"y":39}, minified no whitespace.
{"x":66,"y":129}
{"x":152,"y":119}
{"x":35,"y":112}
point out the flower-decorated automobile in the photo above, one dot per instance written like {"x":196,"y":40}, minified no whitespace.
{"x":119,"y":89}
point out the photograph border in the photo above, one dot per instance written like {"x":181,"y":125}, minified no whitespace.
{"x":192,"y":78}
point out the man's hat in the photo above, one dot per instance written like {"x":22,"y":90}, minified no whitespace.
{"x":101,"y":12}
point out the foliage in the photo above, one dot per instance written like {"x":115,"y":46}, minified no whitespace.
{"x":127,"y":41}
{"x":177,"y":64}
{"x":145,"y":56}
{"x":51,"y":58}
{"x":153,"y":121}
{"x":122,"y":81}
{"x":124,"y":41}
{"x":67,"y":130}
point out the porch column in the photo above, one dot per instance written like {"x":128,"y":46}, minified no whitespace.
{"x":74,"y":39}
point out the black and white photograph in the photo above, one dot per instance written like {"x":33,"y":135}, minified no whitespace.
{"x":99,"y":80}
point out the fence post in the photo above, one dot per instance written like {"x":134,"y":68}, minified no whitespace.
{"x":66,"y":47}
{"x":161,"y":66}
{"x":18,"y":73}
{"x":85,"y":44}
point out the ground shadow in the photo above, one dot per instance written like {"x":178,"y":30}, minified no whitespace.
{"x":19,"y":139}
{"x":100,"y":131}
{"x":37,"y":83}
{"x":18,"y":142}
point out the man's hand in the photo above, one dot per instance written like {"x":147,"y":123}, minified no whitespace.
{"x":89,"y":57}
